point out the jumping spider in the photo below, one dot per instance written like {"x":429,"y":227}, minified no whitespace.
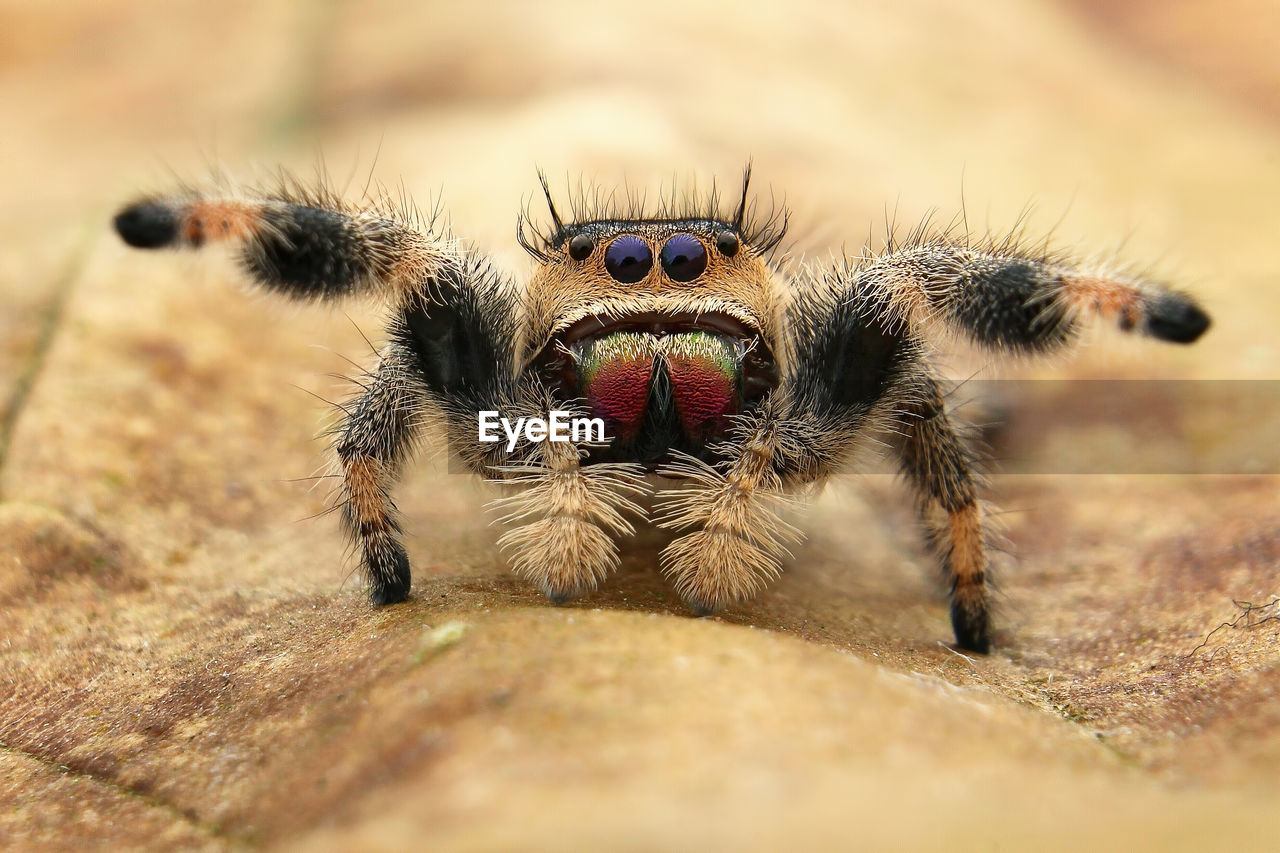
{"x":707,"y":362}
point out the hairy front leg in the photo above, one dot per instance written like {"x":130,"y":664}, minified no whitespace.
{"x":565,"y":517}
{"x":1012,"y":301}
{"x":303,"y":242}
{"x":736,"y":536}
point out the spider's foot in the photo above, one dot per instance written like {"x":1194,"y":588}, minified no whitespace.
{"x":1175,"y":317}
{"x":971,"y":627}
{"x":702,"y":608}
{"x":559,"y":596}
{"x":389,"y":578}
{"x":147,"y":225}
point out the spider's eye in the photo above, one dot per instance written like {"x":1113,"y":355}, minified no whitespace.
{"x":628,"y":259}
{"x":727,"y":243}
{"x":684,"y":257}
{"x":581,"y":247}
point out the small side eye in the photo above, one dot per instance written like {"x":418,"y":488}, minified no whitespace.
{"x":581,"y":246}
{"x":628,"y":259}
{"x":684,"y":257}
{"x":727,"y":243}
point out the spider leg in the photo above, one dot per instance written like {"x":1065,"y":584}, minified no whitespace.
{"x":453,"y":318}
{"x":565,"y":516}
{"x":1012,"y":301}
{"x":452,"y":329}
{"x":860,"y":316}
{"x":846,"y":369}
{"x":735,"y":536}
{"x":304,"y":243}
{"x":451,"y":354}
{"x":938,"y":465}
{"x":859,"y":372}
{"x":371,"y":445}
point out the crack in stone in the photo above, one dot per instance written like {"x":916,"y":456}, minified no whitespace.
{"x":208,"y":830}
{"x":50,"y":322}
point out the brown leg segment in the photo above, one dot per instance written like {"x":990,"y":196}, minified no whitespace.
{"x":370,"y":516}
{"x":965,"y":561}
{"x":371,"y":445}
{"x":938,"y":465}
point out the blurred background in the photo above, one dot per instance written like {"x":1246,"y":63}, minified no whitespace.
{"x":188,"y":664}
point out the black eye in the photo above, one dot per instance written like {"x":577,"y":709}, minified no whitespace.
{"x":684,"y":257}
{"x":628,"y":259}
{"x":581,"y":246}
{"x":727,"y":243}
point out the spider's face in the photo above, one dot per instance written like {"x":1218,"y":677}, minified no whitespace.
{"x":666,"y":328}
{"x":616,"y":269}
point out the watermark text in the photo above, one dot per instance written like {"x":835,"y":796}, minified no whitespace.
{"x":557,"y":426}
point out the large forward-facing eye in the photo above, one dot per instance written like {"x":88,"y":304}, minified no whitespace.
{"x":684,"y":257}
{"x":628,"y":259}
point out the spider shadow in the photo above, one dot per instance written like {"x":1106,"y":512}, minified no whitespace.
{"x":860,"y":579}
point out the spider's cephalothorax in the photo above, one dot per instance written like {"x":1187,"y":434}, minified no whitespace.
{"x":665,"y":329}
{"x":707,"y":364}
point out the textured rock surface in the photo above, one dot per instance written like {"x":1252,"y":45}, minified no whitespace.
{"x":184,"y":659}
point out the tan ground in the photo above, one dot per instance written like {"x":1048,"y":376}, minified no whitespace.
{"x":184,"y":660}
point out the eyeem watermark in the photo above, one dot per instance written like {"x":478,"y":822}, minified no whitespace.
{"x":558,"y":426}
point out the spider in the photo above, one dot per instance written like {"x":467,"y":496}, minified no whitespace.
{"x":726,"y":384}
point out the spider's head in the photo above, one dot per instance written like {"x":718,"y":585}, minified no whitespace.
{"x":630,"y":307}
{"x":666,"y":323}
{"x":687,"y":264}
{"x":613,"y":271}
{"x":654,"y":276}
